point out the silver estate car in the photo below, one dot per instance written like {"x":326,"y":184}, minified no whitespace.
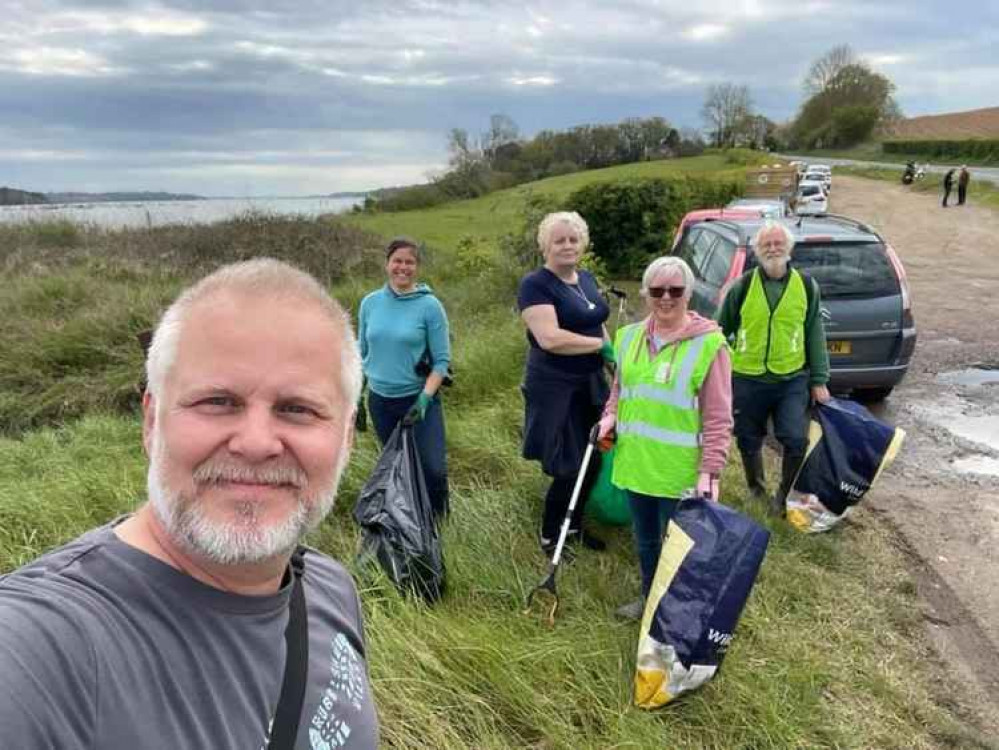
{"x":866,"y":307}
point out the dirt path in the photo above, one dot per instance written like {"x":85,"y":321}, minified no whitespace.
{"x":942,"y":493}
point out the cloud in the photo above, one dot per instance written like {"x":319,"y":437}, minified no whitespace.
{"x":113,"y":92}
{"x":706,"y":32}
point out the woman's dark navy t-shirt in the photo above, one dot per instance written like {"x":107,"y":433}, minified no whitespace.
{"x":572,"y":309}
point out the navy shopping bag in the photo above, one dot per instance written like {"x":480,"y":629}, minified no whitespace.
{"x":706,"y":570}
{"x":848,"y":448}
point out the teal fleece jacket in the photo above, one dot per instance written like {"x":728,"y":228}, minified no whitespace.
{"x":394,"y":331}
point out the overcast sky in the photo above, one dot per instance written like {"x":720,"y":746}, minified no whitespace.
{"x":237,"y":97}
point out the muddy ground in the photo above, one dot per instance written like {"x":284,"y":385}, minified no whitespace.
{"x":942,"y":493}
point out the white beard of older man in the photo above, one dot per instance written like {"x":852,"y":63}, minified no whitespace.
{"x":247,"y":439}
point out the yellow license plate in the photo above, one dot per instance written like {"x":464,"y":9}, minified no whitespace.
{"x":839,"y":347}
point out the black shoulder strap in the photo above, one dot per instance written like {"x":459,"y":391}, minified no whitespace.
{"x":296,"y":666}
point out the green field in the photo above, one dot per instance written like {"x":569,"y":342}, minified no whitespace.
{"x":829,"y":652}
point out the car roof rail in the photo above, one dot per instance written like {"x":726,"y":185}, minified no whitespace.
{"x":862,"y":226}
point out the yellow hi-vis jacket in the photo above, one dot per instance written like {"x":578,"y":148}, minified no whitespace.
{"x":771,"y":341}
{"x":658,"y":449}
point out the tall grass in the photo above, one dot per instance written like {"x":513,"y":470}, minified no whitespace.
{"x":828,"y":653}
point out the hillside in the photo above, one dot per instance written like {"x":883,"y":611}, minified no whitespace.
{"x":12,"y":197}
{"x":975,"y":123}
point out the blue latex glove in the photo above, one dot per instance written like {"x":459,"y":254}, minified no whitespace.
{"x":608,"y":353}
{"x":418,"y":410}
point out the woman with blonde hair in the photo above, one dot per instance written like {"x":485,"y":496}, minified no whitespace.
{"x":669,"y":411}
{"x":564,"y":388}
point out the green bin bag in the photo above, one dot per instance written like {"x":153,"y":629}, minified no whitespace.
{"x":608,"y":504}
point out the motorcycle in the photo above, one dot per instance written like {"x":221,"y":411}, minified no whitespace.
{"x":909,"y":174}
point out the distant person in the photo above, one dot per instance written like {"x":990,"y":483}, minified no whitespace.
{"x":948,"y":185}
{"x":780,"y":363}
{"x":171,"y":627}
{"x":671,"y":411}
{"x":962,"y":184}
{"x":564,"y":387}
{"x":406,"y":350}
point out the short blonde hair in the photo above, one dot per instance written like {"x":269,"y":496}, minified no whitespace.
{"x":261,"y":277}
{"x":574,"y":220}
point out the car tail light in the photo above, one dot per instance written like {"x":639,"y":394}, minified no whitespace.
{"x":903,"y":283}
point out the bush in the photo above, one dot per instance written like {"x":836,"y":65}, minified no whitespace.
{"x":852,"y":125}
{"x":632,"y":221}
{"x":980,"y":150}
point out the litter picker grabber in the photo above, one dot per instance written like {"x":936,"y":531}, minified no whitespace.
{"x":622,"y":305}
{"x":547,"y":589}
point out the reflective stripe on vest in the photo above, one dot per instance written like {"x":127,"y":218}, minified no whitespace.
{"x":685,"y":439}
{"x":771,"y":340}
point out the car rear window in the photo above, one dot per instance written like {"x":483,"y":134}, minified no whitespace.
{"x":847,"y":269}
{"x":810,"y":190}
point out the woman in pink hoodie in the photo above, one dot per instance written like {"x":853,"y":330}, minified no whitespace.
{"x":669,"y":412}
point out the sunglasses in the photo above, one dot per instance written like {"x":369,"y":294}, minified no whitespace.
{"x":674,"y":292}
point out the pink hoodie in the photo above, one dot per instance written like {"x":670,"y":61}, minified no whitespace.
{"x":715,"y":397}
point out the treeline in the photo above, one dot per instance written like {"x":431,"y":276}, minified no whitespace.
{"x":977,"y":149}
{"x":500,"y":158}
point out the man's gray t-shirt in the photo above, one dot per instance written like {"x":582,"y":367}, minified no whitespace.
{"x":103,"y":646}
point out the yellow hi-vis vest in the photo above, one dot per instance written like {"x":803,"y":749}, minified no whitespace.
{"x":771,"y":341}
{"x":658,"y":449}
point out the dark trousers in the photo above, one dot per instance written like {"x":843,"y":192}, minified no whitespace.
{"x":558,"y":496}
{"x":429,"y":435}
{"x":962,"y":194}
{"x":946,"y":195}
{"x":649,"y":518}
{"x":786,"y":403}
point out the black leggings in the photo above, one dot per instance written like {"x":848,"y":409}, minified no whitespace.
{"x":558,"y":496}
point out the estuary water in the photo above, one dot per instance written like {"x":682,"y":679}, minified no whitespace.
{"x":116,"y":215}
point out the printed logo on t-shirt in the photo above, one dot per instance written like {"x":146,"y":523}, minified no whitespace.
{"x":342,"y":699}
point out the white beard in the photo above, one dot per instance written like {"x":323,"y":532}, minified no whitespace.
{"x":241,"y":541}
{"x":775,"y":268}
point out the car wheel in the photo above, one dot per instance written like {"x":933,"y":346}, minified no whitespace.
{"x":872,"y":395}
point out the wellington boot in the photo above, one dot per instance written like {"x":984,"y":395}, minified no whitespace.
{"x":788,"y":471}
{"x":752,"y":464}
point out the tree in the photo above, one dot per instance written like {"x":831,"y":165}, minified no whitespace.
{"x":502,"y":130}
{"x":725,"y":107}
{"x":866,"y":97}
{"x":826,"y":67}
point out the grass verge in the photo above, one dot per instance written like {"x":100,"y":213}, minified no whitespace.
{"x":980,"y":192}
{"x":828,"y":653}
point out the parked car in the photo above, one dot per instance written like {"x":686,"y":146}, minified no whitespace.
{"x":817,"y":178}
{"x":771,"y":208}
{"x":811,"y":200}
{"x":866,"y":306}
{"x":822,"y":170}
{"x":710,"y":214}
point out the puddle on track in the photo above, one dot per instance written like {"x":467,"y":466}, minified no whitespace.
{"x":973,"y":376}
{"x":951,"y":413}
{"x":977,"y":465}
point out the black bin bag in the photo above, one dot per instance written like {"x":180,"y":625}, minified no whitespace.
{"x":396,"y":520}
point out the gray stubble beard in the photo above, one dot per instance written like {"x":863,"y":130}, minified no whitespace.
{"x":234,"y":542}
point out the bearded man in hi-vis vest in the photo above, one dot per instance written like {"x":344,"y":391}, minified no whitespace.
{"x":771,"y":317}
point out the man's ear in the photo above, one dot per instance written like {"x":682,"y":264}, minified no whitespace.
{"x":148,"y":421}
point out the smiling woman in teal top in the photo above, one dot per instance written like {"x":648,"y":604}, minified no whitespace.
{"x":403,"y":333}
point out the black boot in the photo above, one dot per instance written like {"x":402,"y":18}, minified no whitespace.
{"x":788,"y":471}
{"x":752,"y":464}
